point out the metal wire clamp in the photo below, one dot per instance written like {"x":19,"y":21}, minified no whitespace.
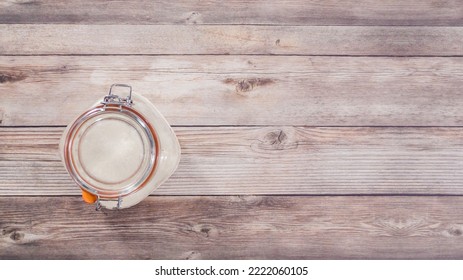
{"x":112,"y":99}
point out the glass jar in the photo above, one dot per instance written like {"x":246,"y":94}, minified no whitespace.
{"x":119,"y":150}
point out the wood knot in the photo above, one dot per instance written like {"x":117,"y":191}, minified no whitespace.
{"x":205,"y":230}
{"x":13,"y":234}
{"x":276,"y":137}
{"x":10,"y":78}
{"x":455,"y":231}
{"x":17,"y":236}
{"x":194,"y":18}
{"x":276,"y":140}
{"x":243,"y":86}
{"x":192,"y":255}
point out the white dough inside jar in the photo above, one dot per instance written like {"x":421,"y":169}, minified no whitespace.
{"x":111,"y":151}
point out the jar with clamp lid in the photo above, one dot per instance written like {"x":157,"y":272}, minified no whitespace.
{"x":119,"y":150}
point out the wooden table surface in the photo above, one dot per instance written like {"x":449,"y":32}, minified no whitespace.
{"x":309,"y":129}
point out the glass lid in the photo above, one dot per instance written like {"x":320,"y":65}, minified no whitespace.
{"x":111,"y":150}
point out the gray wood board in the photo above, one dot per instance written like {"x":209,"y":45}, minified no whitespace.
{"x":240,"y":90}
{"x":234,"y":227}
{"x":265,"y":160}
{"x":69,"y":39}
{"x":294,"y":12}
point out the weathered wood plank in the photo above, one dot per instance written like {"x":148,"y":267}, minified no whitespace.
{"x":266,"y":160}
{"x":240,"y":90}
{"x":49,"y":39}
{"x":238,"y":228}
{"x":293,"y":12}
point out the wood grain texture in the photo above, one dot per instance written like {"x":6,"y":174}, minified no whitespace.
{"x":234,"y":228}
{"x":267,"y":160}
{"x":240,"y":90}
{"x":291,"y":12}
{"x":303,"y":107}
{"x":48,"y":39}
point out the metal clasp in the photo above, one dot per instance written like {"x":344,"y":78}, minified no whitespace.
{"x":115,"y":99}
{"x":98,"y":203}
